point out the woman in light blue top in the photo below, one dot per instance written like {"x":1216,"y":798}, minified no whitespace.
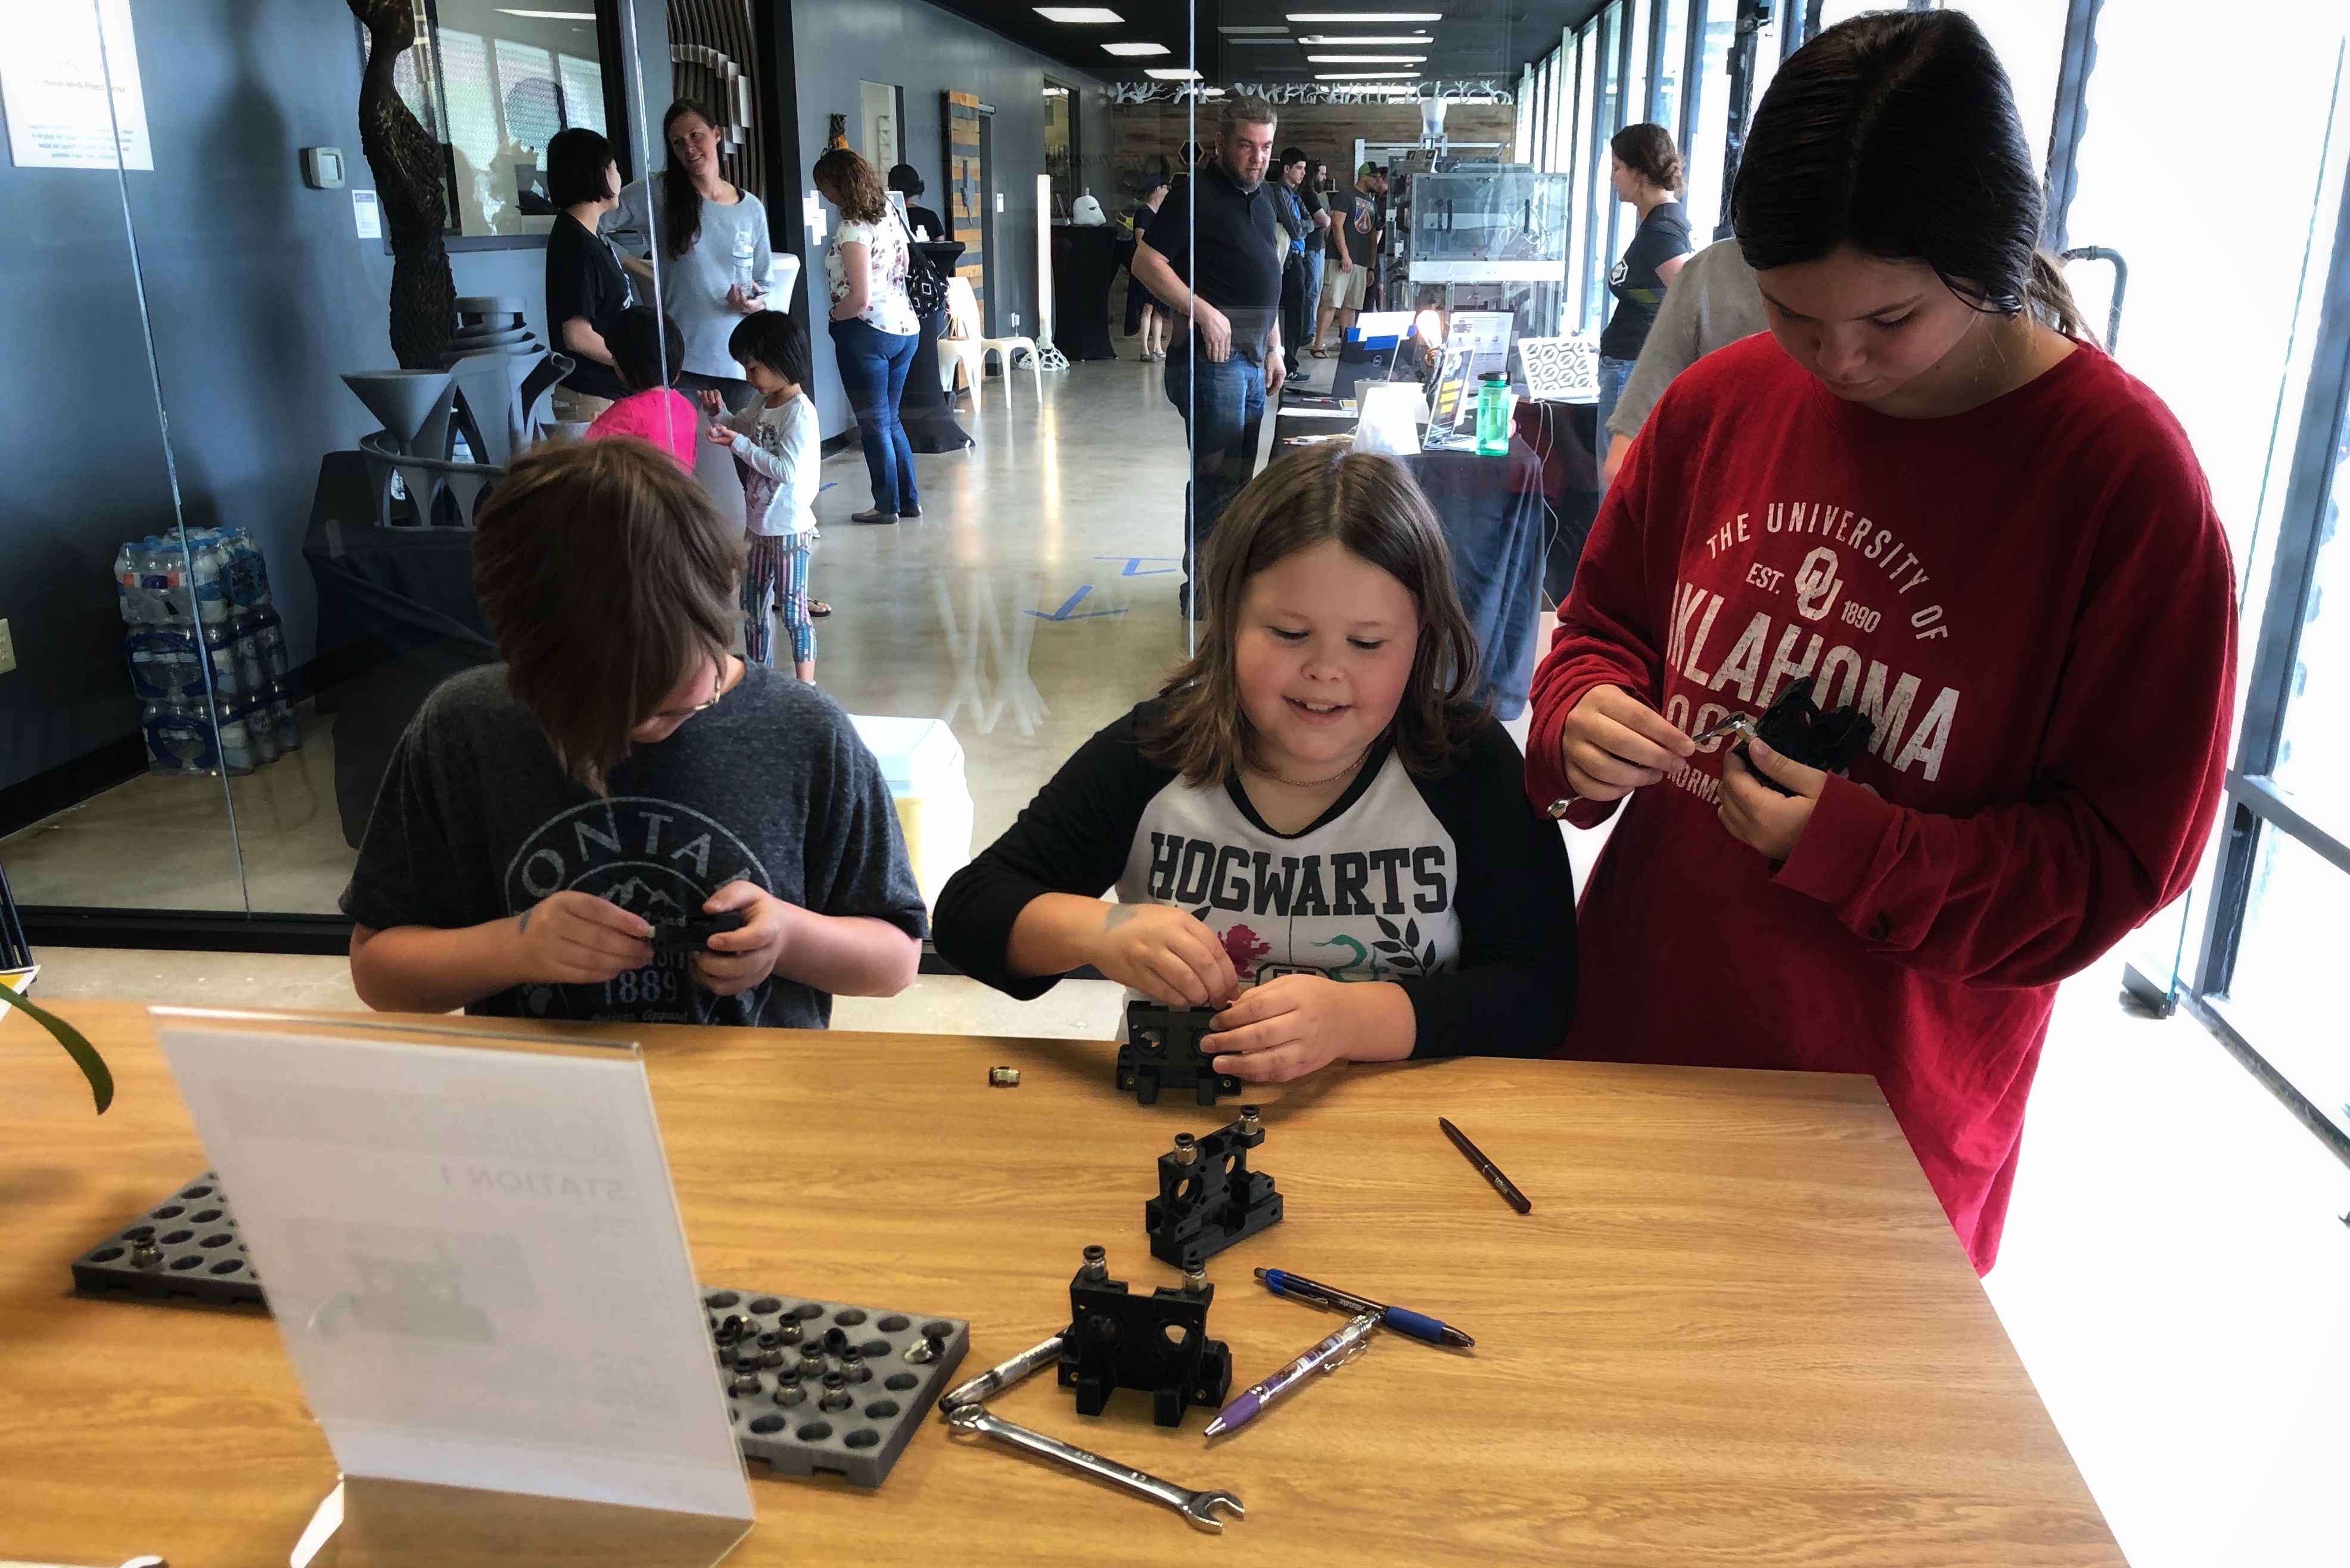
{"x":709,"y":243}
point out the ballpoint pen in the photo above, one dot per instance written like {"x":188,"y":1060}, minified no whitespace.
{"x":1327,"y":1356}
{"x":1419,"y":1325}
{"x":1486,"y":1168}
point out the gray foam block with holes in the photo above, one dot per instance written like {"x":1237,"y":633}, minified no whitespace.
{"x":186,"y":1245}
{"x":786,"y":1356}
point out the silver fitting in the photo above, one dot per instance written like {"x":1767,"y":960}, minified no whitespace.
{"x":1097,"y":1265}
{"x":1187,"y":1150}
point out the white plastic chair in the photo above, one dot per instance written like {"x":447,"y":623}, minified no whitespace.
{"x":961,"y":346}
{"x":959,"y":289}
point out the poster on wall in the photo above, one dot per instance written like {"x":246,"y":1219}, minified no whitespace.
{"x":54,"y":69}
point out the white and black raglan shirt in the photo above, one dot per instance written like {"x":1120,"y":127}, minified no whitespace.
{"x":1453,"y":888}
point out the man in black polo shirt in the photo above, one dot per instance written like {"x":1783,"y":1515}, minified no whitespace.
{"x":1215,"y":254}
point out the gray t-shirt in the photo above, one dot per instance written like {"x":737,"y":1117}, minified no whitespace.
{"x":477,"y":821}
{"x":693,"y":286}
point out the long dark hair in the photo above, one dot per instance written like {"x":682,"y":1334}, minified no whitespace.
{"x":1896,"y":133}
{"x":680,"y":203}
{"x":1369,"y":504}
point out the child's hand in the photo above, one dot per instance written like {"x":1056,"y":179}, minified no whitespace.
{"x":577,"y":939}
{"x":1613,"y":743}
{"x":720,"y":432}
{"x":1289,"y":1026}
{"x":1164,"y":953}
{"x":1760,"y":817}
{"x":740,"y":958}
{"x":713,"y":405}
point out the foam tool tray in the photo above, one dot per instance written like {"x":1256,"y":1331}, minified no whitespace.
{"x":827,"y":1386}
{"x":811,"y":1385}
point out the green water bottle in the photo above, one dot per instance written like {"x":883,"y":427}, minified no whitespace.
{"x":1494,"y":415}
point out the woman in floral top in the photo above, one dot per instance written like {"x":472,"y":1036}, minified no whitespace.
{"x":874,"y":328}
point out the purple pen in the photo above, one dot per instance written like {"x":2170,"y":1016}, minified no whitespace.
{"x":1327,"y":1356}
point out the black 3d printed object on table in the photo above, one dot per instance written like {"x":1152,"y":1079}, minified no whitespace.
{"x":810,"y":1385}
{"x":1157,"y":1344}
{"x":1162,"y":1051}
{"x":1208,"y":1197}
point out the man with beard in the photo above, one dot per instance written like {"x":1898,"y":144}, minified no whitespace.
{"x":1214,"y":256}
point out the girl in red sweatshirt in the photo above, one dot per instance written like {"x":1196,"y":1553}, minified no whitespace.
{"x":1926,"y":493}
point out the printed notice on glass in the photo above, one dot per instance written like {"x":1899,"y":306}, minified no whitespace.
{"x":59,"y":58}
{"x":473,"y":1253}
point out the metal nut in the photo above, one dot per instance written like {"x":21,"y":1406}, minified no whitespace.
{"x":1004,"y":1077}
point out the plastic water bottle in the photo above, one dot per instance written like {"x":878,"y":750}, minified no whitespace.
{"x":246,"y":573}
{"x":745,"y":251}
{"x":262,"y":725}
{"x":1494,"y":415}
{"x":227,"y":679}
{"x":288,"y":723}
{"x":269,"y":633}
{"x":236,"y":749}
{"x":206,"y":564}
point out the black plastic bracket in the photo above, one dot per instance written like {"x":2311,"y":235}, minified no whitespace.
{"x":1162,"y":1051}
{"x":1157,"y":1344}
{"x":1208,"y":1197}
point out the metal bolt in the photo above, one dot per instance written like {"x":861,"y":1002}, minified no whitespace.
{"x":1097,"y":1264}
{"x":145,"y":1255}
{"x":1195,"y":1278}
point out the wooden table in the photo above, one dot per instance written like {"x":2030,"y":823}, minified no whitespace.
{"x":1735,"y":1330}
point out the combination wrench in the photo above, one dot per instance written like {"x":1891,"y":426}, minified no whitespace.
{"x":1196,"y":1506}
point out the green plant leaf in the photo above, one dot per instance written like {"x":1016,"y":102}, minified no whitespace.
{"x":85,"y":1057}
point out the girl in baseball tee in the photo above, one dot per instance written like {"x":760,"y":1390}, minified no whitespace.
{"x":1311,"y":827}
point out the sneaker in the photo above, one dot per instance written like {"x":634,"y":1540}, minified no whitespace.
{"x":874,"y":516}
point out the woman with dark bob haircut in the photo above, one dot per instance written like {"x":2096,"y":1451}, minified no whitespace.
{"x":1921,"y":496}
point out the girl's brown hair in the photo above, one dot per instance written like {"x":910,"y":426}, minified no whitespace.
{"x":607,"y":576}
{"x":857,"y":189}
{"x":1368,"y":505}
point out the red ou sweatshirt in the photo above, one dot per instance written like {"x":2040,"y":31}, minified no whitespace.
{"x":2033,"y":599}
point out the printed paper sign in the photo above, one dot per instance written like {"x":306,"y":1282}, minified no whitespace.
{"x":473,"y":1253}
{"x":56,"y":68}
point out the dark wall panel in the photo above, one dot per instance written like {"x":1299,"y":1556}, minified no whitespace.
{"x":260,"y":291}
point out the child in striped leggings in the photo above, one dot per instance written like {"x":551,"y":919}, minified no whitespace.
{"x":776,"y":439}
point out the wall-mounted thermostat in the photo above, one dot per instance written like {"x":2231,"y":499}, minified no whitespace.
{"x":322,"y":168}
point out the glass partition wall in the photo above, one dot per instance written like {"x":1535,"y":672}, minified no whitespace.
{"x":236,"y":585}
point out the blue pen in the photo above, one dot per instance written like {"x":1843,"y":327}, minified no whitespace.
{"x":1403,"y":1321}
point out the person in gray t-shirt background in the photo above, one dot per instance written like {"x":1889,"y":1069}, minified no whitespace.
{"x":622,"y":772}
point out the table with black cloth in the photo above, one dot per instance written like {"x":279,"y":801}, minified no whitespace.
{"x":1496,"y":524}
{"x":397,"y":616}
{"x":1562,"y":437}
{"x":923,"y":406}
{"x":1085,"y":258}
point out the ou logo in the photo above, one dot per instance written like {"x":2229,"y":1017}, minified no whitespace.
{"x":1817,"y":584}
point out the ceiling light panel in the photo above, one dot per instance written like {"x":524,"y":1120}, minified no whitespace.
{"x":1357,"y":41}
{"x":1364,"y":59}
{"x":1367,"y":15}
{"x":1078,"y":15}
{"x":1135,"y":50}
{"x":1170,"y":74}
{"x":1353,"y":76}
{"x":1228,"y":31}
